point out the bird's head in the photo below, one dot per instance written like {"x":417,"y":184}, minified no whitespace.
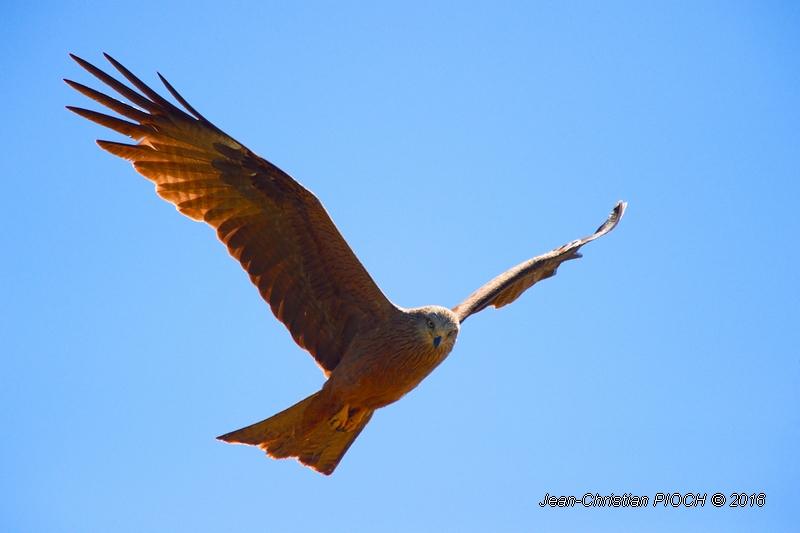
{"x":438,"y":326}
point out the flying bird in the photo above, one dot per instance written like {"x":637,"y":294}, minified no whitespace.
{"x":371,"y":351}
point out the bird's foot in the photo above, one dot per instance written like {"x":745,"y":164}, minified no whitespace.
{"x":339,"y":420}
{"x":346,"y":419}
{"x":354,"y":419}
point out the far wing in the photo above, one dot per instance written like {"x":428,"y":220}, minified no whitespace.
{"x":508,"y":286}
{"x":272,"y":225}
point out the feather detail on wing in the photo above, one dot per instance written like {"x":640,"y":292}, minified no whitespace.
{"x":508,"y":286}
{"x":272,"y":225}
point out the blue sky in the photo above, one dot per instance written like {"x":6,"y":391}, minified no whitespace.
{"x":449,"y":142}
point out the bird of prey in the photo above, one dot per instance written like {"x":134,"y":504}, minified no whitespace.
{"x":371,"y":351}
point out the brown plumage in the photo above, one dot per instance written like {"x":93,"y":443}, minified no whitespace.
{"x":371,"y":351}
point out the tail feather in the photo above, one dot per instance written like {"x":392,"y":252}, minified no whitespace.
{"x":323,"y":448}
{"x":290,"y":434}
{"x":283,"y":426}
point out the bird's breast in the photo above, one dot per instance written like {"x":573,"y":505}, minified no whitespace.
{"x":382,"y":371}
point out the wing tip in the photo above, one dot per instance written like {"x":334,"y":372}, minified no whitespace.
{"x":113,"y":61}
{"x":82,"y":62}
{"x":611,"y":222}
{"x":181,"y":100}
{"x":619,"y":209}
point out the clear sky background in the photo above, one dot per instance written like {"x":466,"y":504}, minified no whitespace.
{"x":449,"y":142}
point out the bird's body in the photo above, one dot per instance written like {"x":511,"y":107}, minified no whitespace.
{"x":385,"y":364}
{"x":372,"y":352}
{"x":379,"y":368}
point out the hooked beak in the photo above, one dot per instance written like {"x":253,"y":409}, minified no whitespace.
{"x":437,"y":340}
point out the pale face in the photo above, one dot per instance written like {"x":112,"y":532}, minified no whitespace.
{"x":439,"y":327}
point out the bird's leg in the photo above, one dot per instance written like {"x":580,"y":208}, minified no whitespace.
{"x":355,"y":416}
{"x":347,"y":418}
{"x":339,"y":420}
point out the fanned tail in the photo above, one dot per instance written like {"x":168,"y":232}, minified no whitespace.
{"x":291,"y":434}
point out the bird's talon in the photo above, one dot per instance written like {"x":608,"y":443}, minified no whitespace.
{"x":339,"y":420}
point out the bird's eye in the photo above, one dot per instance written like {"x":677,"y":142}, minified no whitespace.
{"x":430,"y":323}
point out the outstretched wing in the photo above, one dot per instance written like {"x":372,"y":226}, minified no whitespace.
{"x":508,"y":286}
{"x":272,"y":225}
